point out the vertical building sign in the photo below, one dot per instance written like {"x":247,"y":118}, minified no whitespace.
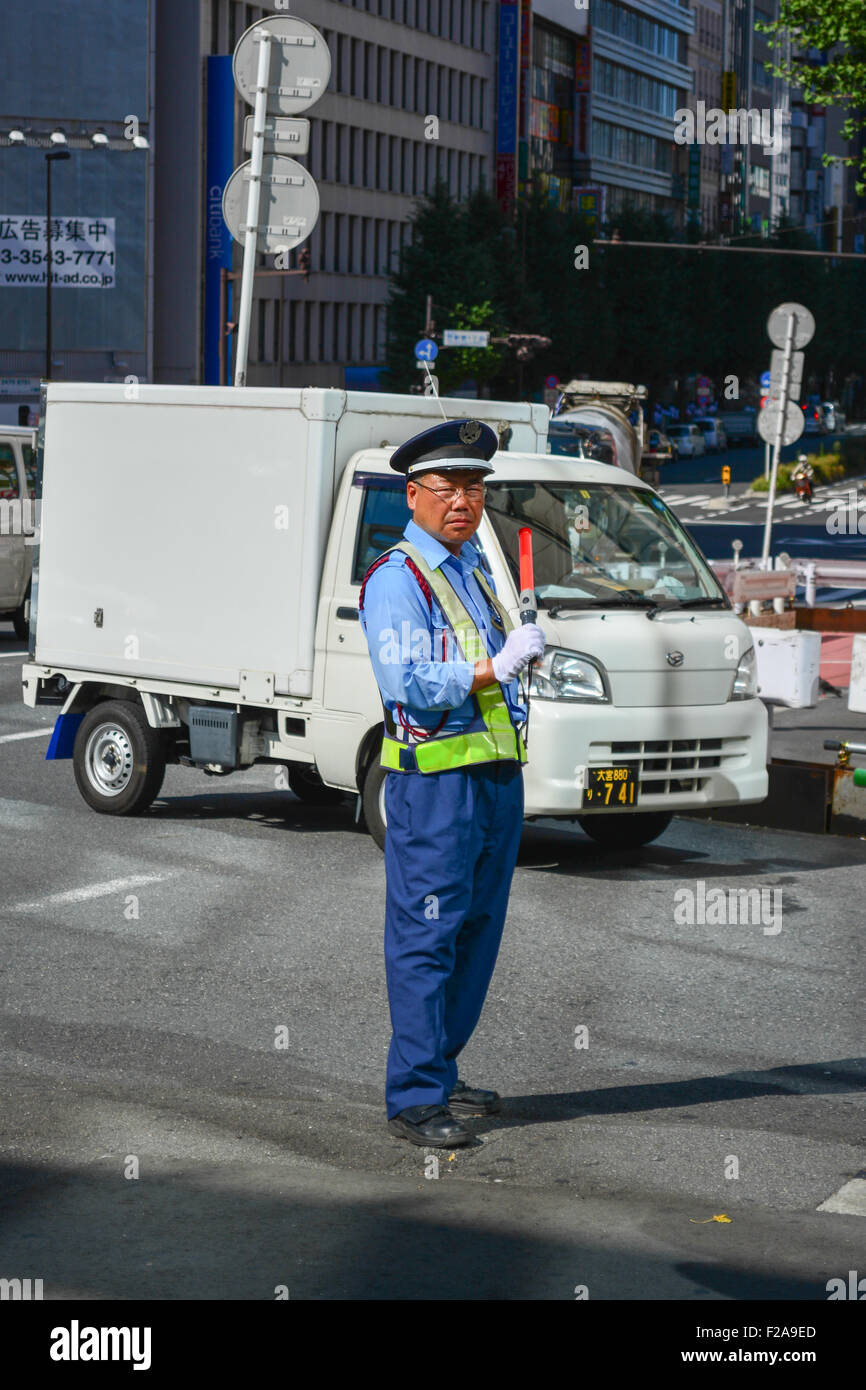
{"x":524,"y":91}
{"x":507,"y":101}
{"x":218,"y":239}
{"x":582,"y":124}
{"x":694,"y":184}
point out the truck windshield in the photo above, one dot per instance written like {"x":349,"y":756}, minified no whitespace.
{"x":599,"y":544}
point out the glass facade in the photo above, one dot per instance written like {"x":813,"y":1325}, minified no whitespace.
{"x":635,"y":28}
{"x":627,"y":146}
{"x":551,"y":114}
{"x":633,"y":88}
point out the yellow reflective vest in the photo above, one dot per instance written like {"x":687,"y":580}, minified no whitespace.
{"x":497,"y":740}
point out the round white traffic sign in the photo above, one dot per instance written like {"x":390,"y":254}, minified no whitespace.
{"x":768,"y":422}
{"x":288,"y":205}
{"x":300,"y":67}
{"x":777,"y":325}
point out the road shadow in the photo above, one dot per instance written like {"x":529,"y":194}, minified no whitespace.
{"x":198,"y":1233}
{"x":843,"y":1075}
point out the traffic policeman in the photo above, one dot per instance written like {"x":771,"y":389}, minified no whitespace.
{"x":446,"y":657}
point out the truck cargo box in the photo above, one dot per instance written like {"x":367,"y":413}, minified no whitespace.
{"x":183,"y":528}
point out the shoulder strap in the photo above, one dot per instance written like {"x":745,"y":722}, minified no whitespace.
{"x":504,"y":615}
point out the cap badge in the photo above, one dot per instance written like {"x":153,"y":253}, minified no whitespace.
{"x":469,"y":432}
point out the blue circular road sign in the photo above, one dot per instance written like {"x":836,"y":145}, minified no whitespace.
{"x":765,"y":379}
{"x":426,"y":350}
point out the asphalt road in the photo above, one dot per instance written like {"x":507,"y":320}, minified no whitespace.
{"x":156,"y":1143}
{"x":833,"y":525}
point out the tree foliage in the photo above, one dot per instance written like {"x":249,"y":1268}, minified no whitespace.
{"x":651,"y":315}
{"x":827,"y":59}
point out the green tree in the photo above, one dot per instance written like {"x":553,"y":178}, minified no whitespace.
{"x":837,"y":28}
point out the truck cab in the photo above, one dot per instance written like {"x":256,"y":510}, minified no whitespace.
{"x":644,"y":702}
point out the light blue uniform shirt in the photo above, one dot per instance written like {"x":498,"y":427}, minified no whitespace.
{"x":413,"y":651}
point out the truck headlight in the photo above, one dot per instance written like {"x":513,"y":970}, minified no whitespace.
{"x":562,"y":675}
{"x":745,"y":684}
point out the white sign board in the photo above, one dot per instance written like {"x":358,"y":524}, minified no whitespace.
{"x":283,"y":135}
{"x":300,"y":64}
{"x":777,"y":325}
{"x":777,"y":363}
{"x":82,"y":252}
{"x":758,"y":584}
{"x":288,"y":208}
{"x":465,"y":337}
{"x":768,"y":422}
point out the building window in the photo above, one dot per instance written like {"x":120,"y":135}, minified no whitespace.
{"x":630,"y":87}
{"x":381,"y":71}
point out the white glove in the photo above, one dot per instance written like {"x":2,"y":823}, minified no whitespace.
{"x":521,"y":645}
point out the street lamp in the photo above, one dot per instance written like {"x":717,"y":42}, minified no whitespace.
{"x":50,"y":156}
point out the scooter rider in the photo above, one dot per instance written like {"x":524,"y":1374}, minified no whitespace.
{"x":803,"y":476}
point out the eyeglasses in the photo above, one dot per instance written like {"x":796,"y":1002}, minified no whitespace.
{"x":473,"y":492}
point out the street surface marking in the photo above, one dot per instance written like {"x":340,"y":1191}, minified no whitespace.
{"x":31,"y":733}
{"x":93,"y":890}
{"x":850,"y":1199}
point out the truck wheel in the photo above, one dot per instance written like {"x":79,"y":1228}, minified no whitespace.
{"x":118,"y":759}
{"x":373,"y":801}
{"x":19,"y":622}
{"x":627,"y":830}
{"x":308,"y":786}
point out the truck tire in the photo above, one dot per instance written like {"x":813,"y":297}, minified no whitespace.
{"x":308,"y":786}
{"x":373,"y":800}
{"x":626,"y":829}
{"x":118,"y":759}
{"x":19,"y":622}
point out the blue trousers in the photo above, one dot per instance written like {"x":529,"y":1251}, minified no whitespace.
{"x":450,"y":852}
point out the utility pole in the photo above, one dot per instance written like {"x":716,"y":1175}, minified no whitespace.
{"x":50,"y":156}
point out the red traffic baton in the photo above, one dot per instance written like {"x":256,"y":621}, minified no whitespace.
{"x":528,"y":604}
{"x":527,"y":600}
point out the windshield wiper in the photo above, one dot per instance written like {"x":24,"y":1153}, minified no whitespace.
{"x":616,"y":600}
{"x":666,"y":605}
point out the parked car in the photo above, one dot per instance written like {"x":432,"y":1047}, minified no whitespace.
{"x":715,"y":435}
{"x":815,"y":421}
{"x":740,"y":426}
{"x":834,"y":417}
{"x":687,"y":440}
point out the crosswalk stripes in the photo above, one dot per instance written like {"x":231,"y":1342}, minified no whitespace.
{"x":825,"y":503}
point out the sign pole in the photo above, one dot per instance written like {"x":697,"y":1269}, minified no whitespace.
{"x":252,"y":227}
{"x":777,"y":447}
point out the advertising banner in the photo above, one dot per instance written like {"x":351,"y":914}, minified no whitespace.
{"x":507,"y":100}
{"x":82,"y":252}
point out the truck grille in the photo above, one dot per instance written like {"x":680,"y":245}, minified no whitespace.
{"x":668,"y":766}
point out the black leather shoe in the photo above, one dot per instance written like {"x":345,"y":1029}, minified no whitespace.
{"x":430,"y":1125}
{"x":465,"y":1100}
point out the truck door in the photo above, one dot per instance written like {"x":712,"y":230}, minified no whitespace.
{"x":375,"y":518}
{"x":12,"y":525}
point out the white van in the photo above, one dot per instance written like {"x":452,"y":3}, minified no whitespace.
{"x":17,"y":522}
{"x":215,"y":622}
{"x":687,"y":440}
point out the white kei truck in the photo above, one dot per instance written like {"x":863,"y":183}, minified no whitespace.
{"x":195,"y":601}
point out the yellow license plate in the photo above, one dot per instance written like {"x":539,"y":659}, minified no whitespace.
{"x":610,"y":786}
